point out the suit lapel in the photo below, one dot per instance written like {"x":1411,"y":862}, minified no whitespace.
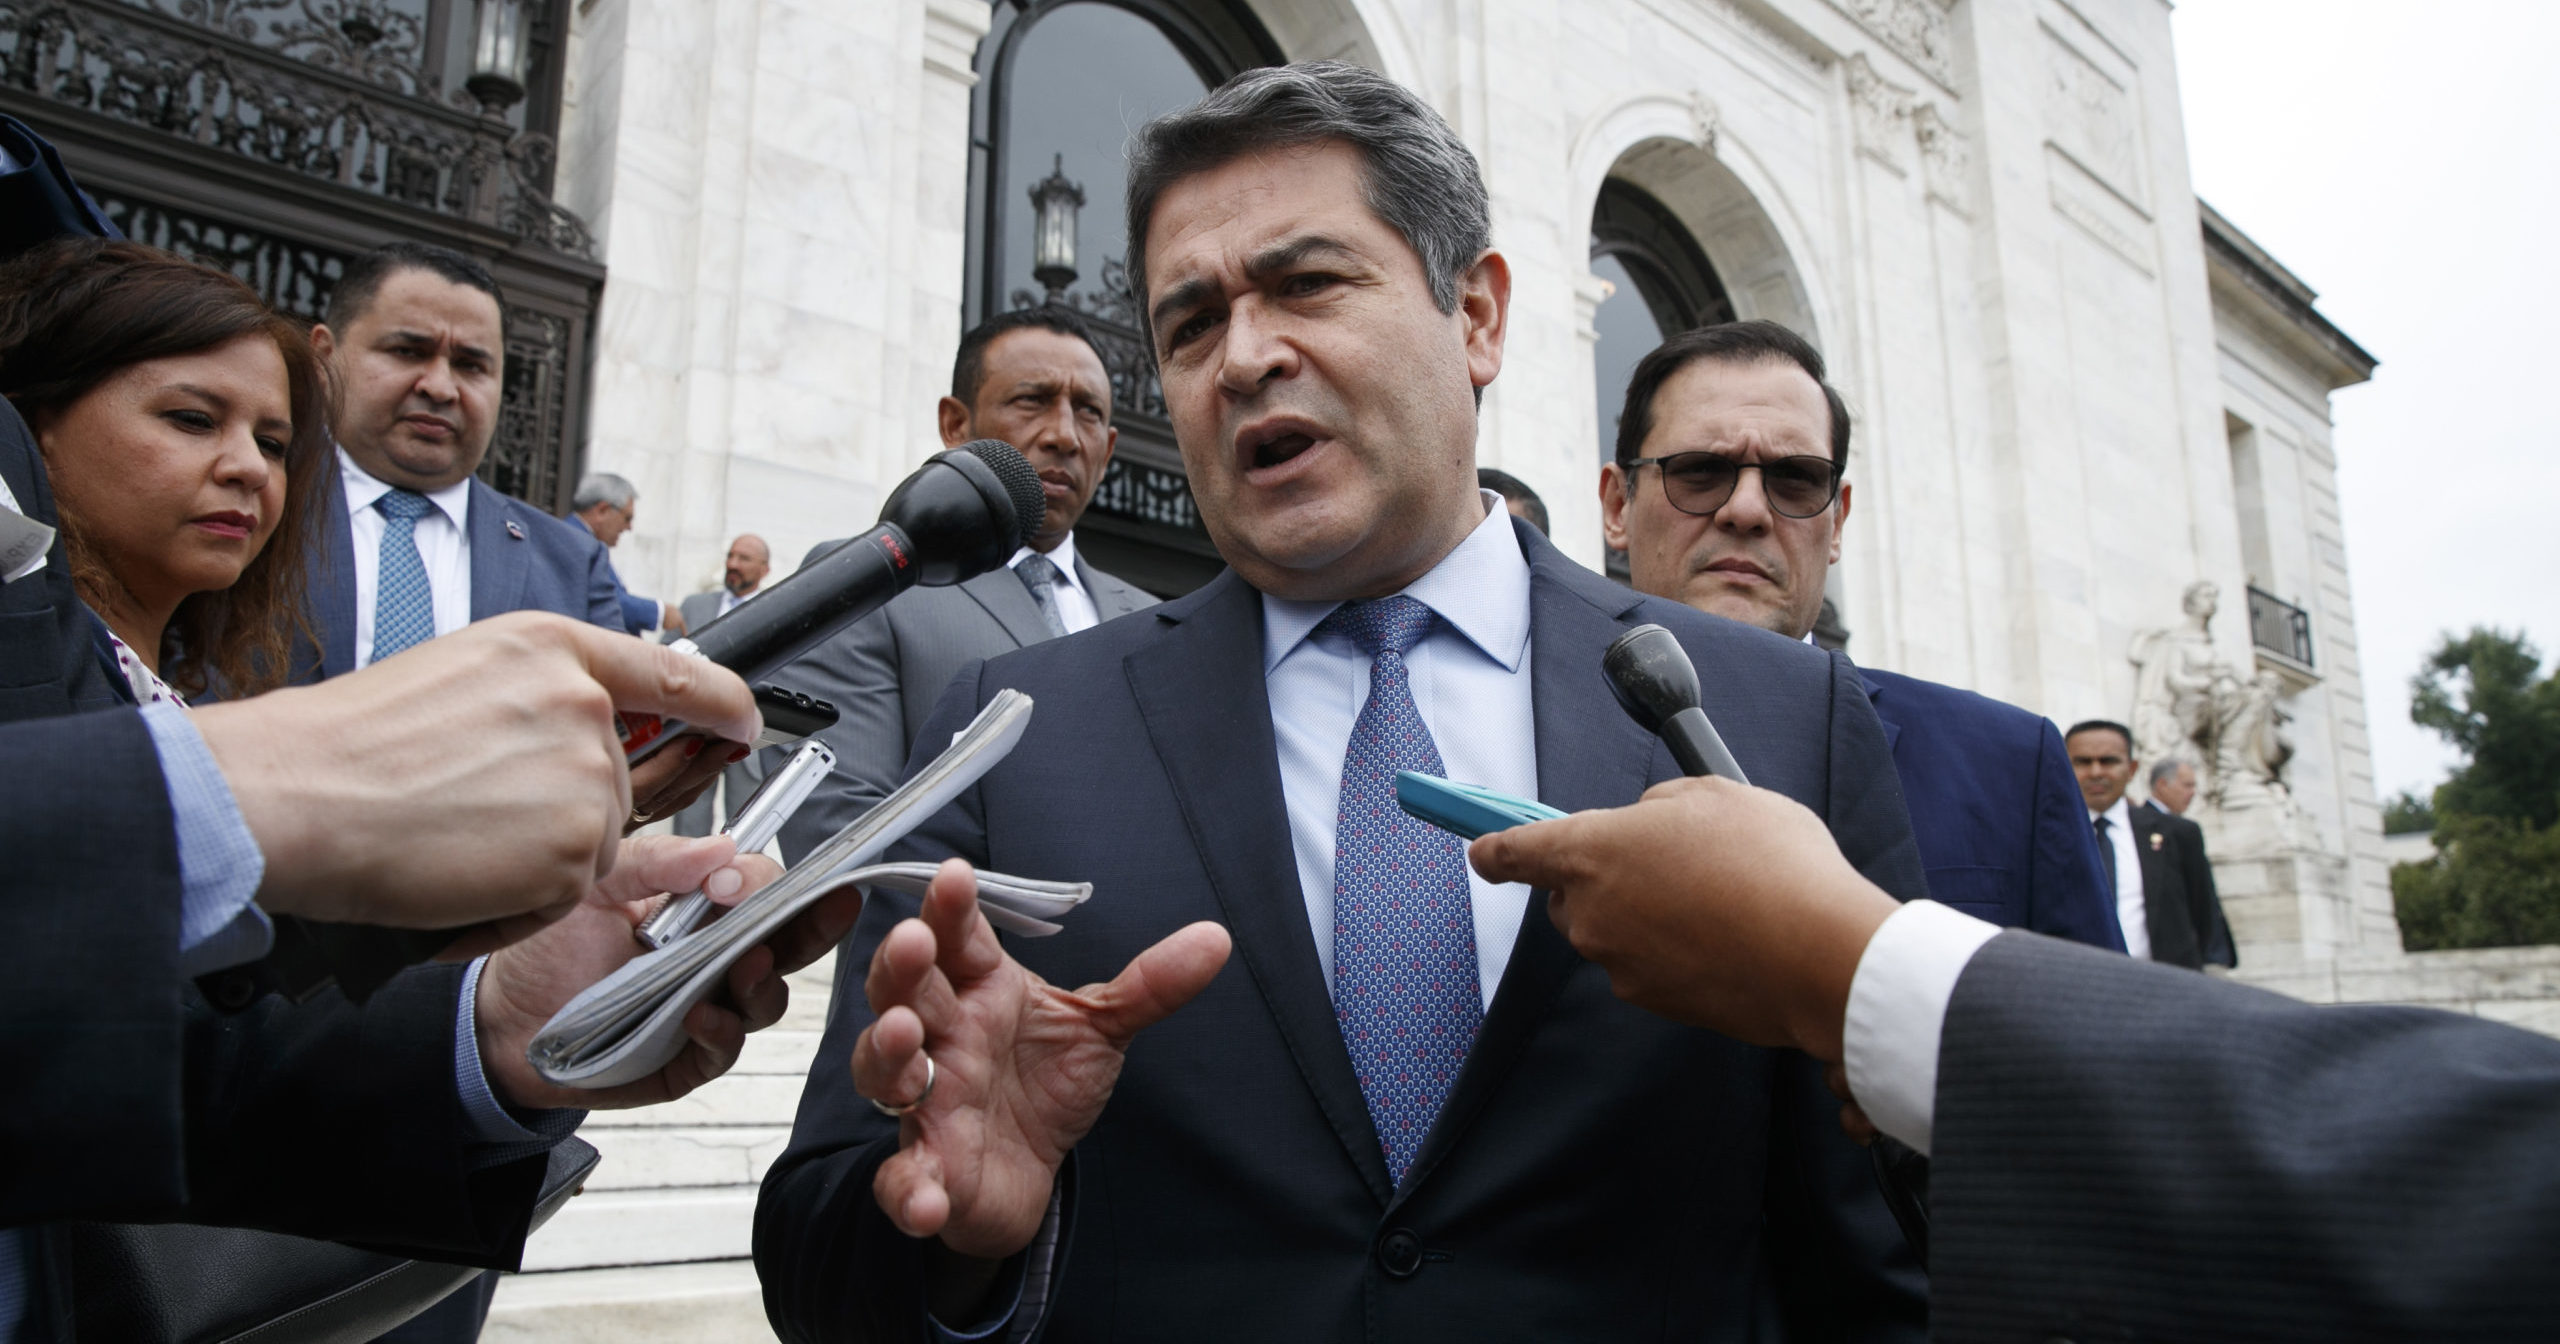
{"x":1590,"y":754}
{"x":1111,"y":598}
{"x":333,"y":579}
{"x":1875,"y":699}
{"x":498,"y":562}
{"x":2160,"y":880}
{"x":1200,"y":690}
{"x":1000,"y":591}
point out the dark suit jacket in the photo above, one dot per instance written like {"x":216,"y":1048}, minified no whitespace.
{"x":152,"y":1106}
{"x":2125,"y":1152}
{"x":2002,"y":828}
{"x":1596,"y":1174}
{"x":886,"y":672}
{"x":522,"y":559}
{"x":2180,"y":906}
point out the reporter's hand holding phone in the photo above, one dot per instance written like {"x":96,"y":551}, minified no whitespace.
{"x":1707,"y":902}
{"x":476,"y":777}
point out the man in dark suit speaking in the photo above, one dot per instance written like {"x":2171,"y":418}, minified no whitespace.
{"x":2119,"y":1151}
{"x":1409,"y":1112}
{"x":1033,"y":379}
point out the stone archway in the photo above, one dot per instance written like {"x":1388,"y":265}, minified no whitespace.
{"x":1363,"y":32}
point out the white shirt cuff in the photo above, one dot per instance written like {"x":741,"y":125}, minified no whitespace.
{"x":1898,"y":1009}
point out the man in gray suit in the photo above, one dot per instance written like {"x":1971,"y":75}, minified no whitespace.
{"x":2119,"y":1150}
{"x":1033,"y":379}
{"x":741,"y":577}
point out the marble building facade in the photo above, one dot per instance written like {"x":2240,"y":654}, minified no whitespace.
{"x":2080,"y":392}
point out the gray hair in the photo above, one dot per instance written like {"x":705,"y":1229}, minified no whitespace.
{"x":2168,"y":770}
{"x":602,"y":487}
{"x":1422,"y":181}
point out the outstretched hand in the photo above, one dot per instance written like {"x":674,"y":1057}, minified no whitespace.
{"x":1021,"y":1067}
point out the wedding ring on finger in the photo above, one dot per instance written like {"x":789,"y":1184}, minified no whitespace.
{"x":896,"y":1112}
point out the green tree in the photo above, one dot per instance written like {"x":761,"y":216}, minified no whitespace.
{"x":2484,"y":694}
{"x":2495,"y":880}
{"x":2405,"y":813}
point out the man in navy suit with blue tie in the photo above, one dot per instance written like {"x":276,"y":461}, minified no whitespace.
{"x":1393,"y":1104}
{"x":421,"y":547}
{"x":1727,"y":494}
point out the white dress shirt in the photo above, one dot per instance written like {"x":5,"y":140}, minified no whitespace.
{"x":2129,"y":907}
{"x":1470,"y":679}
{"x":1898,"y":1014}
{"x":444,"y":544}
{"x":1076,"y":610}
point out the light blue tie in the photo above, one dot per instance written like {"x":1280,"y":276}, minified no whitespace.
{"x":404,"y":606}
{"x":1405,"y":985}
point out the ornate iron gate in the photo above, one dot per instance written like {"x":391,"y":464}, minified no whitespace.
{"x":277,"y":138}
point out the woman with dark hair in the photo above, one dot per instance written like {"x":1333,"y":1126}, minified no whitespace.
{"x":183,"y":424}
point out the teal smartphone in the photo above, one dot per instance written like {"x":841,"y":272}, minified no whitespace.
{"x":1464,"y":810}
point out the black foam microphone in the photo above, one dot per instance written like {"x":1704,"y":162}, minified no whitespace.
{"x":961,"y":514}
{"x":1658,"y":687}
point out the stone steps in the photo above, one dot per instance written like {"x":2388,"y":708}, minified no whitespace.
{"x":660,"y":1304}
{"x":655,"y":1248}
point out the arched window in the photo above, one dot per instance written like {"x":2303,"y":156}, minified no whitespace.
{"x":1660,"y":285}
{"x":1062,"y":85}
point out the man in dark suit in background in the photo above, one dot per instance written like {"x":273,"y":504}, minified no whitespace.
{"x":1033,"y":379}
{"x":2165,"y":900}
{"x":2120,"y":1151}
{"x":419,"y":546}
{"x":1991,"y":794}
{"x":1410,"y":1113}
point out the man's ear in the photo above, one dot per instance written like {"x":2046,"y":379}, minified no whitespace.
{"x":1613,"y":506}
{"x":1840,"y":523}
{"x":952,"y":419}
{"x":324,"y":342}
{"x":1484,"y":302}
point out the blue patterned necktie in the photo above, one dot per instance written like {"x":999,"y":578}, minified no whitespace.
{"x":404,"y":606}
{"x":1405,"y":985}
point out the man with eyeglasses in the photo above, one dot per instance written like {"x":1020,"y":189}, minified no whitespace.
{"x":1727,"y":494}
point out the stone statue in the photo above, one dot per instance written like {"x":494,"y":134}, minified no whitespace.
{"x":2174,"y":683}
{"x":2190,"y":704}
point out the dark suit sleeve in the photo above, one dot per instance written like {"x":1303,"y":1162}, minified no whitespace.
{"x":331,"y":1120}
{"x":2122,"y":1151}
{"x":833,"y":1267}
{"x":856,"y":670}
{"x":90,"y":1037}
{"x":1840,"y":1265}
{"x":2204,"y":899}
{"x":2067,"y":893}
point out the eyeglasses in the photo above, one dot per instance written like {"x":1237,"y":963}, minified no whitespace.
{"x":1701,"y":483}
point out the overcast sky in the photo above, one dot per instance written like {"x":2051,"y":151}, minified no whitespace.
{"x":2404,"y":160}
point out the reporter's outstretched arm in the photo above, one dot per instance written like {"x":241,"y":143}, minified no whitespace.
{"x":475,"y":777}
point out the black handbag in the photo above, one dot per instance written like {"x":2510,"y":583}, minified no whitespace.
{"x":178,"y":1283}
